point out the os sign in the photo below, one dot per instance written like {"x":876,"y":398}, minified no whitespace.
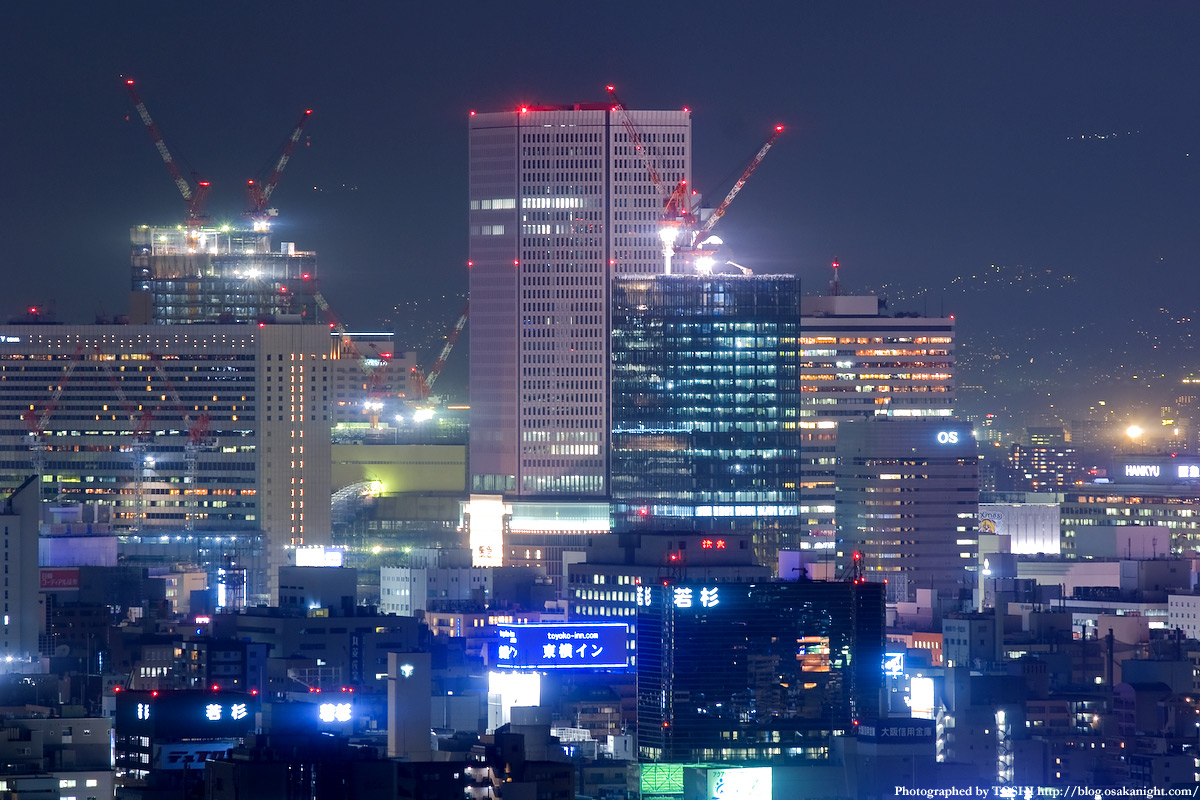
{"x":947,"y":437}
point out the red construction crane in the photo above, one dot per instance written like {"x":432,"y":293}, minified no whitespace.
{"x":425,"y":382}
{"x":676,"y":214}
{"x":693,"y":249}
{"x":260,"y":194}
{"x":194,"y":195}
{"x":374,"y":367}
{"x":38,"y":446}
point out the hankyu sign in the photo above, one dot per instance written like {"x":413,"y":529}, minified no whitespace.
{"x":1142,"y":470}
{"x":575,"y":645}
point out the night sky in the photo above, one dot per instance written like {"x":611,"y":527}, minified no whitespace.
{"x":925,"y":140}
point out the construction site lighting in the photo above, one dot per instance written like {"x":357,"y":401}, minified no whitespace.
{"x":423,"y":415}
{"x":667,"y":234}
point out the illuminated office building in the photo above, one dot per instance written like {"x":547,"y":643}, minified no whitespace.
{"x":1161,"y":491}
{"x":857,"y":362}
{"x":560,"y":203}
{"x":220,"y":429}
{"x":705,"y":403}
{"x":752,"y":673}
{"x":908,"y":501}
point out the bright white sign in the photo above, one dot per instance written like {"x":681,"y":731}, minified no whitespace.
{"x":685,"y":597}
{"x":1142,"y":470}
{"x":947,"y":437}
{"x":334,"y":712}
{"x":746,"y":783}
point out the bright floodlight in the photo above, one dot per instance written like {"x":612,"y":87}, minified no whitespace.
{"x":667,"y":234}
{"x":1133,"y":432}
{"x":422,"y":414}
{"x":704,"y":264}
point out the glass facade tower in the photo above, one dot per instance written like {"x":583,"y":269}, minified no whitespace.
{"x":705,"y":399}
{"x":753,"y":673}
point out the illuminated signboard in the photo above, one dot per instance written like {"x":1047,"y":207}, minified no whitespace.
{"x":746,"y":783}
{"x":56,"y":579}
{"x":893,"y":664}
{"x":897,"y":729}
{"x":947,"y":437}
{"x":562,"y":646}
{"x":185,"y":714}
{"x":703,"y":597}
{"x":319,"y":556}
{"x":335,"y":712}
{"x":1142,"y":470}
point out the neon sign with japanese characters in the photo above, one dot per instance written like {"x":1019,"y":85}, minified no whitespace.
{"x":577,"y":645}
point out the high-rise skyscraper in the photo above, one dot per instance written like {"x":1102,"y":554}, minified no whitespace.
{"x":559,"y":204}
{"x":706,"y":396}
{"x":908,"y":501}
{"x":858,"y":362}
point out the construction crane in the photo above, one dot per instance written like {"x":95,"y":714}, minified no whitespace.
{"x":699,"y":247}
{"x":424,"y":381}
{"x":199,"y":439}
{"x":193,"y":195}
{"x":374,"y":368}
{"x":38,"y":446}
{"x":260,"y":194}
{"x":676,"y":214}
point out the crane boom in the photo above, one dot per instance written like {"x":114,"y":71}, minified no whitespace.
{"x":436,"y":370}
{"x":194,"y":196}
{"x":260,"y":195}
{"x":635,"y":139}
{"x":719,"y":212}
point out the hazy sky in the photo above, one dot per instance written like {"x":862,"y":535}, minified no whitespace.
{"x":924,"y":139}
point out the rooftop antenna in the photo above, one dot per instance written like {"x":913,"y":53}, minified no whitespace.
{"x":835,"y":286}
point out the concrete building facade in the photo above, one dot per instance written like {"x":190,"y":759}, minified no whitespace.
{"x":560,"y":202}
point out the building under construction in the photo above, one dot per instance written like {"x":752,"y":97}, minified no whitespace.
{"x":200,"y":274}
{"x":196,"y":272}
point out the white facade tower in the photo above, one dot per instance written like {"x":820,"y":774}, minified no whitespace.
{"x":560,"y":203}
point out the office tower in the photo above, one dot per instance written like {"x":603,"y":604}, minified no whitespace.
{"x":202,"y":274}
{"x":858,"y":362}
{"x":559,"y":204}
{"x":25,"y":613}
{"x":908,"y":501}
{"x":214,"y":429}
{"x":705,"y":403}
{"x":741,"y":673}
